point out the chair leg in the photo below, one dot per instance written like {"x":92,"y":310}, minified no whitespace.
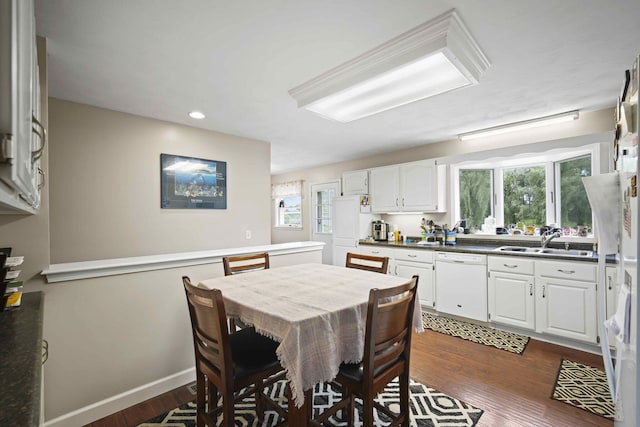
{"x":228,"y":410}
{"x":404,"y":398}
{"x":200,"y":398}
{"x":367,"y":409}
{"x":258,"y":399}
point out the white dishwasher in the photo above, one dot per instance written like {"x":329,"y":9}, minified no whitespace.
{"x":461,"y":284}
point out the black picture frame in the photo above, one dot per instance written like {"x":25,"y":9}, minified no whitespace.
{"x":192,"y":183}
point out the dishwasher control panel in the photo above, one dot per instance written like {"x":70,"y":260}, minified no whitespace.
{"x":461,"y":258}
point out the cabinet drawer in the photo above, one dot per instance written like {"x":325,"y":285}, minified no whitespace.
{"x":417,"y":255}
{"x":567,"y":270}
{"x":376,"y":251}
{"x":505,"y":264}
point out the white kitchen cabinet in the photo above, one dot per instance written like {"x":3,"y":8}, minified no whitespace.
{"x":384,"y":189}
{"x":408,"y":187}
{"x":355,"y":183}
{"x":511,"y":292}
{"x":566,"y":299}
{"x":410,"y":262}
{"x":22,"y":136}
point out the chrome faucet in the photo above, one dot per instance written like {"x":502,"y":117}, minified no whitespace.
{"x":549,"y":236}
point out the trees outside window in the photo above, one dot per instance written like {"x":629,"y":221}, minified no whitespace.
{"x":550,"y":191}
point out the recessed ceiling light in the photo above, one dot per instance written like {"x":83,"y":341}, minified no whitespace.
{"x":435,"y":57}
{"x":196,"y":115}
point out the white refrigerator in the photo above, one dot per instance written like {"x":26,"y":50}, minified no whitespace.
{"x":349,"y":226}
{"x":627,"y":373}
{"x":615,"y":203}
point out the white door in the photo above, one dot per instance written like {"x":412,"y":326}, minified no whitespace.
{"x":322,"y":195}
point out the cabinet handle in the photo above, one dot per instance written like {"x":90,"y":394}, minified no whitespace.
{"x":566,"y":271}
{"x":45,"y":351}
{"x":531,"y":289}
{"x":375,"y":252}
{"x":397,"y":201}
{"x":610,"y":280}
{"x":543,"y":295}
{"x":403,"y":202}
{"x":42,"y":133}
{"x":511,"y":265}
{"x":41,"y":183}
{"x":412,"y":256}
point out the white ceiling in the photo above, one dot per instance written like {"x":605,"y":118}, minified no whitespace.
{"x":237,"y":60}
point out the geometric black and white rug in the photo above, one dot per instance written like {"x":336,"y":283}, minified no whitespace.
{"x":508,"y":341}
{"x":584,"y":387}
{"x":429,"y":408}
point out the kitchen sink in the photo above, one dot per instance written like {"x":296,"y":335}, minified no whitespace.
{"x":521,"y":249}
{"x":545,"y":251}
{"x":565,"y":252}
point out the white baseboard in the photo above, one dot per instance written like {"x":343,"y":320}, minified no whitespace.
{"x":122,"y":401}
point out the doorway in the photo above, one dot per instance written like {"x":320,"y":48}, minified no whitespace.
{"x":322,"y":195}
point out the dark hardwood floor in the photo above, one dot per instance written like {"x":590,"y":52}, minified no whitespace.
{"x":513,"y":390}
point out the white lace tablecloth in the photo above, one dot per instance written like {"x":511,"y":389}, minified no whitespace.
{"x":316,"y":311}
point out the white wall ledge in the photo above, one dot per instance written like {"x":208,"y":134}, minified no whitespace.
{"x":111,"y":267}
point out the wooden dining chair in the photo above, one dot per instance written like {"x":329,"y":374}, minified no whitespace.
{"x":228,"y":363}
{"x":377,"y":264}
{"x":243,"y":264}
{"x":387,"y":347}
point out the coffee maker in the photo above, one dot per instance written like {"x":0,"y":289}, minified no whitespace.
{"x":379,"y":230}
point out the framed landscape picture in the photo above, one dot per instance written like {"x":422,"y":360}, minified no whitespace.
{"x":192,"y":183}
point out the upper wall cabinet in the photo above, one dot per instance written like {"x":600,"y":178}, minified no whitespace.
{"x":22,"y":137}
{"x":408,"y":187}
{"x":355,"y":183}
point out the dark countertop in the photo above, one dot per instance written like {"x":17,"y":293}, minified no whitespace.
{"x":488,"y":249}
{"x":21,"y":362}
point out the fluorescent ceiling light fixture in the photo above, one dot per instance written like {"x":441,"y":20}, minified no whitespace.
{"x":435,"y":57}
{"x":197,"y":115}
{"x":518,"y":126}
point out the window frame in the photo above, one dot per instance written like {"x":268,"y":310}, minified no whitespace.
{"x":551,"y":161}
{"x":279,"y":213}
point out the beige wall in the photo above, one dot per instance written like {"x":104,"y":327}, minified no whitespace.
{"x":105,"y":186}
{"x":102,"y":200}
{"x":589,"y":128}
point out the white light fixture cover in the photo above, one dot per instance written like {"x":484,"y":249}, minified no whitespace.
{"x":198,"y":115}
{"x":435,"y":57}
{"x":518,"y":126}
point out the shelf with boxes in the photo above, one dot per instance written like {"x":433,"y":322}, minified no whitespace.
{"x":10,"y":287}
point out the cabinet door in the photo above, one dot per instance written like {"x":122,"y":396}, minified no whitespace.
{"x":426,"y":290}
{"x":511,"y":299}
{"x":384,"y":189}
{"x":355,"y":183}
{"x":18,"y":47}
{"x":418,"y":186}
{"x":566,"y":308}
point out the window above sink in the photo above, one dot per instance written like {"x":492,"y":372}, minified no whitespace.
{"x":533,"y":189}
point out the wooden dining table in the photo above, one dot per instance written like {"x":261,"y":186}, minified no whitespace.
{"x":317,"y":313}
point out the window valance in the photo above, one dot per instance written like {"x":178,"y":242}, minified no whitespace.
{"x":286,"y":189}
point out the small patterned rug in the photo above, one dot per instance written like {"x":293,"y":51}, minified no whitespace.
{"x":429,"y":408}
{"x":508,"y":341}
{"x":584,"y":387}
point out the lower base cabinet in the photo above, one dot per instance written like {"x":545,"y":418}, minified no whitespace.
{"x":512,"y":292}
{"x":418,"y":262}
{"x":566,"y":300}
